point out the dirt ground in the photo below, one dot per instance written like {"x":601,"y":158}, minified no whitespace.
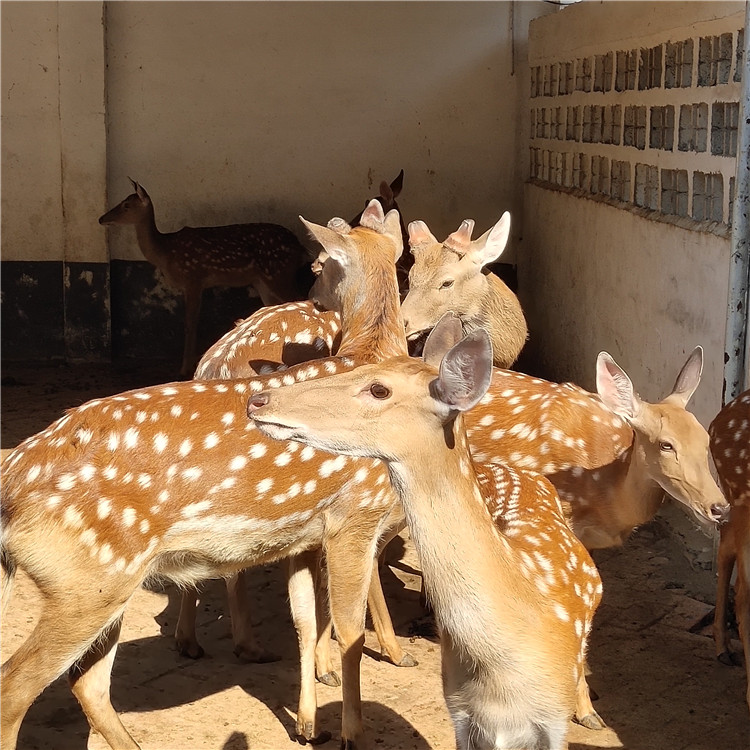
{"x":660,"y":686}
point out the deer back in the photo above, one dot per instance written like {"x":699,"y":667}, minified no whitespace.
{"x":730,"y":448}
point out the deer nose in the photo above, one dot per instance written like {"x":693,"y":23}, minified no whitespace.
{"x":256,"y":402}
{"x":720,"y":512}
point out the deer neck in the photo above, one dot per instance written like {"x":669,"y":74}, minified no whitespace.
{"x":371,"y":322}
{"x":468,"y":579}
{"x":644,"y":492}
{"x":150,"y":239}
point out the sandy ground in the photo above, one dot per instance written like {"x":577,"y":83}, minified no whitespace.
{"x":660,"y":686}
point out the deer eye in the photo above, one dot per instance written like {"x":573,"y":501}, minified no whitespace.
{"x":379,"y":391}
{"x":666,"y":447}
{"x":447,"y":284}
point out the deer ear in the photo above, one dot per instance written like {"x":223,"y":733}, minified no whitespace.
{"x":331,"y":240}
{"x":392,"y":226}
{"x":446,"y":334}
{"x":140,"y":191}
{"x":689,"y":377}
{"x":372,"y":216}
{"x":419,"y":234}
{"x":465,"y":372}
{"x":385,"y":192}
{"x":615,"y":389}
{"x":396,"y":185}
{"x":491,"y":244}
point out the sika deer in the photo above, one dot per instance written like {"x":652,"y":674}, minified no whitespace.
{"x":266,"y":256}
{"x":170,"y":481}
{"x":450,"y":276}
{"x":730,"y":448}
{"x":514,"y":599}
{"x":387,"y":199}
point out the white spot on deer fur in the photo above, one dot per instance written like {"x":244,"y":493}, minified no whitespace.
{"x":131,"y":437}
{"x":144,"y":480}
{"x":33,"y":473}
{"x":88,"y":537}
{"x":169,"y":391}
{"x":66,"y":482}
{"x":53,"y":501}
{"x":84,"y":436}
{"x":117,"y":414}
{"x":256,"y":386}
{"x":274,"y":383}
{"x":160,"y":442}
{"x":228,"y":418}
{"x":192,"y":473}
{"x":283,"y":459}
{"x":331,"y":465}
{"x":194,"y":509}
{"x":221,"y":388}
{"x":186,"y":446}
{"x":105,"y":553}
{"x":237,"y":463}
{"x":142,"y":396}
{"x":258,"y":450}
{"x":199,"y":387}
{"x":109,"y":471}
{"x":264,"y":485}
{"x":72,"y":517}
{"x":103,"y":507}
{"x":176,"y":410}
{"x":561,"y":612}
{"x":140,"y":417}
{"x":113,"y":441}
{"x":307,"y":453}
{"x":310,"y":487}
{"x":240,"y":387}
{"x":128,"y":517}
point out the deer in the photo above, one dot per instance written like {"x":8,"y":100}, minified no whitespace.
{"x":268,"y":257}
{"x":171,"y":481}
{"x":387,"y":198}
{"x":513,"y":589}
{"x":730,"y":449}
{"x":451,"y":276}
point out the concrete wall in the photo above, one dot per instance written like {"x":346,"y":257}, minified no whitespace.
{"x":598,"y":273}
{"x":234,"y":112}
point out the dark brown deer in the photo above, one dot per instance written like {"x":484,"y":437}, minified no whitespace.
{"x":730,"y":448}
{"x":268,"y":257}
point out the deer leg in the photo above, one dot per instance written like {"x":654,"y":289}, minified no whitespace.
{"x":185,"y":635}
{"x":245,"y":646}
{"x":64,"y":632}
{"x":725,"y":564}
{"x":323,"y":664}
{"x":302,"y":601}
{"x":585,"y":713}
{"x":349,"y":556}
{"x":192,"y":296}
{"x":390,"y":649}
{"x":89,"y":680}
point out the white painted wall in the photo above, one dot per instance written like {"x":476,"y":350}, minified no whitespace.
{"x":231,"y":112}
{"x":53,"y":141}
{"x":594,"y":276}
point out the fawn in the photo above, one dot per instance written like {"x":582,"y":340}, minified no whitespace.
{"x":268,"y":257}
{"x":730,"y":448}
{"x":513,"y":589}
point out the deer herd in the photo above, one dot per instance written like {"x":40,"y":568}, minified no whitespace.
{"x":290,"y":443}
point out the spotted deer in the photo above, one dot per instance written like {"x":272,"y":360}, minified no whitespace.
{"x":730,"y":448}
{"x":173,"y":481}
{"x":268,"y":257}
{"x":513,"y":589}
{"x":450,"y":275}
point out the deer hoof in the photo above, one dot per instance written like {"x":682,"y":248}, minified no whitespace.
{"x":407,"y":660}
{"x":306,"y":735}
{"x":591,"y":721}
{"x":730,"y":659}
{"x":330,"y":678}
{"x":190,"y":649}
{"x":255,"y":655}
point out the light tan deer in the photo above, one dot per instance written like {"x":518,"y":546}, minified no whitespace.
{"x":172,"y":481}
{"x":730,"y":448}
{"x":451,"y":276}
{"x":387,"y":198}
{"x":268,"y":257}
{"x":513,"y":589}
